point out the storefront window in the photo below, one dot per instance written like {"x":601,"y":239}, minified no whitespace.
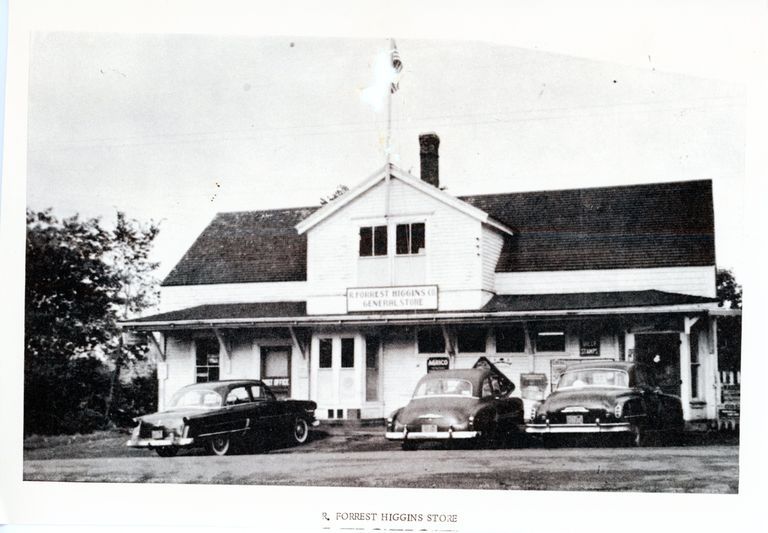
{"x":326,"y":353}
{"x":510,"y":339}
{"x":694,"y":365}
{"x":373,"y":241}
{"x":550,"y":341}
{"x":471,"y":339}
{"x":347,"y":353}
{"x":206,"y":360}
{"x":411,"y":238}
{"x":431,"y":340}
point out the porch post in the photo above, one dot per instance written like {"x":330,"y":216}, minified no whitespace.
{"x":685,"y":373}
{"x":713,"y":369}
{"x":629,"y":346}
{"x":529,"y":348}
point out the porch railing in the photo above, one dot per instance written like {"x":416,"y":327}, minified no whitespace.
{"x":728,"y":399}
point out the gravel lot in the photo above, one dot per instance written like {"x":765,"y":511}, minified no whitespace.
{"x":361,"y":457}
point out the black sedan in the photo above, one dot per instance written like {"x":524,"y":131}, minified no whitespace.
{"x":455,"y":405}
{"x":221,"y":414}
{"x":613,"y":397}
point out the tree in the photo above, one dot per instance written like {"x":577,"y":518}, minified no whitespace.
{"x":728,"y":327}
{"x":728,"y":291}
{"x":79,"y":279}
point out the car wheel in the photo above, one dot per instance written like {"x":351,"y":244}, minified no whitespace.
{"x":299,"y":431}
{"x":167,"y":451}
{"x":220,"y":445}
{"x":409,"y":445}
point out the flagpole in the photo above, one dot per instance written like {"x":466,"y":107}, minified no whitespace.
{"x":389,"y":111}
{"x":388,"y":165}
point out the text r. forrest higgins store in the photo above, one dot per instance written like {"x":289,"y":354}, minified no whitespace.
{"x":349,"y":304}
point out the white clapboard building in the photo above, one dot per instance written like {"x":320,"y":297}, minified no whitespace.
{"x":350,"y":303}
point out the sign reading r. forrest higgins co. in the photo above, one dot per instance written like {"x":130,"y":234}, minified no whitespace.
{"x":392,"y":298}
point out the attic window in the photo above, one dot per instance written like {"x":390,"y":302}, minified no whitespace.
{"x":410,"y":238}
{"x":373,"y":241}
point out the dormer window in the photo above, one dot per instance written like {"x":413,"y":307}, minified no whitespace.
{"x":373,"y":241}
{"x":410,"y":239}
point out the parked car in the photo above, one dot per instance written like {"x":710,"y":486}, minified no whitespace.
{"x":221,"y":414}
{"x":598,"y":397}
{"x":457,"y":404}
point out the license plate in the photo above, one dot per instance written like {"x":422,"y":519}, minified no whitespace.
{"x":157,"y":433}
{"x":429,"y":428}
{"x":574,"y":419}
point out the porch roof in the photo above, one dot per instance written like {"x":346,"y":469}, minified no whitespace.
{"x":499,"y":308}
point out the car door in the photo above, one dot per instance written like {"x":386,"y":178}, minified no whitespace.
{"x":269,"y":412}
{"x":233,"y":415}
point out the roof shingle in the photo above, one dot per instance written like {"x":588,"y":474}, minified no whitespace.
{"x":636,"y":226}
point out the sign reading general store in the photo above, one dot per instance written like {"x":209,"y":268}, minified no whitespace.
{"x":392,"y":298}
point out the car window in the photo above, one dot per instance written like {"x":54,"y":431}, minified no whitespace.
{"x":443,"y":387}
{"x":495,"y":386}
{"x":487,"y":389}
{"x":201,"y":398}
{"x":260,"y":393}
{"x":593,"y":377}
{"x":238,"y":395}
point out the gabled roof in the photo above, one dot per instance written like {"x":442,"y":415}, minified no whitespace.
{"x":244,"y":247}
{"x":396,"y":173}
{"x":636,"y":226}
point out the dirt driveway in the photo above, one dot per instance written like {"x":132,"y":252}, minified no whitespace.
{"x":364,"y":458}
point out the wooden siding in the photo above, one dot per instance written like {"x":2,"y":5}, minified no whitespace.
{"x":697,"y":281}
{"x":490,"y":250}
{"x":452,"y":239}
{"x":173,"y":298}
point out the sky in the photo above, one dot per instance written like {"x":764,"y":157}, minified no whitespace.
{"x":175,"y":128}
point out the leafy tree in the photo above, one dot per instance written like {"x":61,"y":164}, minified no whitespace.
{"x":80,"y":279}
{"x":728,"y":327}
{"x":728,"y":291}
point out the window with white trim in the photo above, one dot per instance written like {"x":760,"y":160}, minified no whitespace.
{"x":550,"y":341}
{"x":410,"y":238}
{"x":373,"y":241}
{"x":207,"y":360}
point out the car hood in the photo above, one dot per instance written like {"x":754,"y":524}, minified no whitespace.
{"x":590,"y":398}
{"x":452,"y":409}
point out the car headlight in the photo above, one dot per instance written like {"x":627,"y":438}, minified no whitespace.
{"x":618,"y":411}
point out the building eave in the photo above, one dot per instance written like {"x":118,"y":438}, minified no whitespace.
{"x":391,"y":170}
{"x":404,"y":319}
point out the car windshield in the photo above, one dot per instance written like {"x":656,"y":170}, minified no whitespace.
{"x":196,"y":398}
{"x":593,"y":377}
{"x":443,"y":387}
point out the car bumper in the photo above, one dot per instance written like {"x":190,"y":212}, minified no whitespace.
{"x":159,"y":443}
{"x":621,"y":427}
{"x":431,"y":435}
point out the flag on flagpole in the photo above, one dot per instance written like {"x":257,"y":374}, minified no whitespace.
{"x":397,"y":66}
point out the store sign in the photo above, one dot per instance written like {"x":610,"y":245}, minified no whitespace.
{"x":423,"y":297}
{"x":589,"y":346}
{"x":437,"y":363}
{"x":276,"y":382}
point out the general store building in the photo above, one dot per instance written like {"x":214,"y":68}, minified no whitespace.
{"x":350,"y":303}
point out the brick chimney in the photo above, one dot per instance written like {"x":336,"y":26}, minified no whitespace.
{"x":430,"y":145}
